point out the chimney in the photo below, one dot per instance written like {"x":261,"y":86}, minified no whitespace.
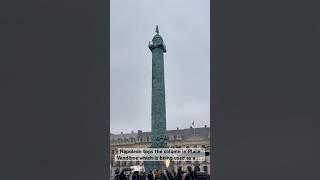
{"x":121,"y":132}
{"x":132,"y":132}
{"x":205,"y":126}
{"x":177,"y":128}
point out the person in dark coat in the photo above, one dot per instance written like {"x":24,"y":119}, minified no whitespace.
{"x":169,"y":175}
{"x":134,"y":176}
{"x":143,"y":176}
{"x":116,"y":174}
{"x":196,"y":171}
{"x":150,"y":176}
{"x":196,"y":168}
{"x":174,"y":173}
{"x":122,"y":176}
{"x":138,"y":175}
{"x":179,"y":174}
{"x":163,"y":176}
{"x":190,"y":175}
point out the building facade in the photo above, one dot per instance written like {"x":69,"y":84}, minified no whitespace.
{"x":179,"y":138}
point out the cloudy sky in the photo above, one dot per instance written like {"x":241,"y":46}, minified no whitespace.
{"x":185,"y":28}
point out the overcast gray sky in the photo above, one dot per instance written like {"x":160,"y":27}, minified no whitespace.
{"x":185,"y":28}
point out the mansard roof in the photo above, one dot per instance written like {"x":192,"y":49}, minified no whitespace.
{"x":202,"y":132}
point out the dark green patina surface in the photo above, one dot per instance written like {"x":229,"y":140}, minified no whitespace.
{"x":158,"y":111}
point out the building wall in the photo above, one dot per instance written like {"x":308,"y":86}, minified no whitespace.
{"x":187,"y":139}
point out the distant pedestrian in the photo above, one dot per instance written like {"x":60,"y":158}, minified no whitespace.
{"x":179,"y":174}
{"x":122,"y":176}
{"x":163,"y":176}
{"x":134,"y":176}
{"x":157,"y":175}
{"x":139,"y":175}
{"x":196,"y":172}
{"x":190,"y":175}
{"x":150,"y":176}
{"x":116,"y":177}
{"x":174,"y":173}
{"x":169,"y":175}
{"x":143,"y":176}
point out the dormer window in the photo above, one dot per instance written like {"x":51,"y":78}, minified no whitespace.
{"x":179,"y":137}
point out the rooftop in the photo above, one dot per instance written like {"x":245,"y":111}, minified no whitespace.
{"x":184,"y":133}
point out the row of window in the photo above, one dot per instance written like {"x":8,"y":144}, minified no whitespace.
{"x":126,"y":163}
{"x":194,"y":146}
{"x":131,"y":140}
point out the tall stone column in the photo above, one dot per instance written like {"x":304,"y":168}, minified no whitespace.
{"x":158,"y":109}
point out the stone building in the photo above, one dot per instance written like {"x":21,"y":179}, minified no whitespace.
{"x":179,"y":138}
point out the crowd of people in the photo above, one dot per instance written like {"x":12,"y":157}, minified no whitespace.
{"x":166,"y":174}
